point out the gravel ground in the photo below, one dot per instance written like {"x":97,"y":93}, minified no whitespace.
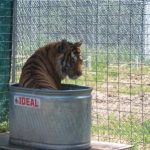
{"x":126,"y":104}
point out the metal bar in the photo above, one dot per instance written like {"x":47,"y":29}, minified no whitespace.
{"x":14,"y":42}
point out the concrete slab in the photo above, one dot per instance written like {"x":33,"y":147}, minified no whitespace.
{"x":4,"y":145}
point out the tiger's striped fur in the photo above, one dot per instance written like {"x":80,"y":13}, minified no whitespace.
{"x":51,"y":64}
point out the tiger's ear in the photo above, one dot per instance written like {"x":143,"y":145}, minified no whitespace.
{"x":78,"y":44}
{"x":62,"y":47}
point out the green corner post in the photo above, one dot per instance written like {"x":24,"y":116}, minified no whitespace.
{"x":6,"y":22}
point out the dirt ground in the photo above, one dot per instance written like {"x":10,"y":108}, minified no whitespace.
{"x":135,"y":104}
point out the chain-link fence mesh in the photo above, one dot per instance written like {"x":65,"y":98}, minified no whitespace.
{"x":5,"y":54}
{"x":116,"y":52}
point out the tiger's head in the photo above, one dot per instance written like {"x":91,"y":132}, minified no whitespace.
{"x":69,"y":62}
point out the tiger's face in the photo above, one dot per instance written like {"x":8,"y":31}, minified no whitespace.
{"x":70,"y":60}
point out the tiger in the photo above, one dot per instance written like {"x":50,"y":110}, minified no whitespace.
{"x":52,"y":63}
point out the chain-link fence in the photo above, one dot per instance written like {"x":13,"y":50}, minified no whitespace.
{"x":116,"y":52}
{"x":5,"y":54}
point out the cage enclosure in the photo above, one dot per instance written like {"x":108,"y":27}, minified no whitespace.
{"x":51,"y":119}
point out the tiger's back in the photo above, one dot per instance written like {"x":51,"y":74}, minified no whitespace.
{"x":50,"y":64}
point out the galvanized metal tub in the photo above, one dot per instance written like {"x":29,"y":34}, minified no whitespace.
{"x":51,"y":119}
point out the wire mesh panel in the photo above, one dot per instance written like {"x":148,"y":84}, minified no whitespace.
{"x":116,"y":52}
{"x":5,"y":55}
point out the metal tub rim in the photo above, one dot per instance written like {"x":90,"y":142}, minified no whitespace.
{"x":76,"y":89}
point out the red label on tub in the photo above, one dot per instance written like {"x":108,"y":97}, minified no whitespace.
{"x":27,"y":101}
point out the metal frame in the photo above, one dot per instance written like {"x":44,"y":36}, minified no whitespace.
{"x":111,"y":45}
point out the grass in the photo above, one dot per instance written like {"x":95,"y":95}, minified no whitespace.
{"x":3,"y":126}
{"x":128,"y":128}
{"x":133,"y":90}
{"x":120,"y":78}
